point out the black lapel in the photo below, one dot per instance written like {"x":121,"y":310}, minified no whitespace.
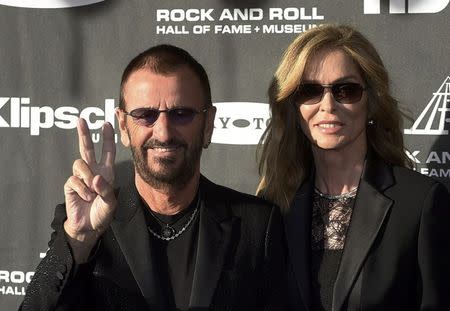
{"x":369,"y":212}
{"x":131,"y":232}
{"x":297,"y":224}
{"x":215,"y":228}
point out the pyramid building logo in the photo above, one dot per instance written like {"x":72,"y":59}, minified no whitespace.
{"x":48,"y":4}
{"x":433,"y":118}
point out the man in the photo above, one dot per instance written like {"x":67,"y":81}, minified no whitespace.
{"x":171,"y":240}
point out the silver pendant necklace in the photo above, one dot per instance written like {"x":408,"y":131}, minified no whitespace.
{"x":338,"y":197}
{"x":169,"y":233}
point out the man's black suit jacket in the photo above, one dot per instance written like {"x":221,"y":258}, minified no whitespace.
{"x":239,"y":263}
{"x":397,"y":249}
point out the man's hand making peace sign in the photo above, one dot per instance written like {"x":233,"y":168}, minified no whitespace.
{"x":89,"y":193}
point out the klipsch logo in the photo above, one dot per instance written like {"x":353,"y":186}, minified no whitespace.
{"x":432,"y":119}
{"x":48,"y":4}
{"x":240,"y":123}
{"x":16,"y":112}
{"x":406,"y":6}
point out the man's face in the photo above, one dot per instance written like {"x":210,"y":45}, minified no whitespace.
{"x":166,"y":153}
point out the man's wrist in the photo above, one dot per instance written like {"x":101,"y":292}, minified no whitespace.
{"x":81,"y":244}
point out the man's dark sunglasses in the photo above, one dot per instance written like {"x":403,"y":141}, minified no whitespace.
{"x":344,"y":93}
{"x":177,"y":116}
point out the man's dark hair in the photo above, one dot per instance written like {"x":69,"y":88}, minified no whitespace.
{"x":165,"y":59}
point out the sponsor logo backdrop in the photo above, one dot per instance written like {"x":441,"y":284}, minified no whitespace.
{"x":63,"y":59}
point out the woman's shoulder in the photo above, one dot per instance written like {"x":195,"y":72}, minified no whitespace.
{"x":404,"y":172}
{"x":416,"y":183}
{"x":410,"y":175}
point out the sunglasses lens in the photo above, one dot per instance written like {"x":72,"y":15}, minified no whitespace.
{"x":181,"y":116}
{"x":347,"y":93}
{"x":309,"y":94}
{"x":148,"y":116}
{"x":145,"y":116}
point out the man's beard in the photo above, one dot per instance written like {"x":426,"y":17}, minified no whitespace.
{"x":168,"y":176}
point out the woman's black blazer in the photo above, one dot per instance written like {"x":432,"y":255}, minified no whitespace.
{"x":397,"y":250}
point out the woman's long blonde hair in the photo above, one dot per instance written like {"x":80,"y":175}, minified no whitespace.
{"x":284,"y":153}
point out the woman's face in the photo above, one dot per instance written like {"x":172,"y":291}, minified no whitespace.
{"x":336,"y":121}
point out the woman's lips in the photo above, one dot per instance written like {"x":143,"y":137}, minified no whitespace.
{"x":329,"y":127}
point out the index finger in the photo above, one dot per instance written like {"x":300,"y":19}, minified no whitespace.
{"x":85,"y":143}
{"x":109,"y":146}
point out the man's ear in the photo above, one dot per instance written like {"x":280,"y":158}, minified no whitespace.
{"x":209,"y":126}
{"x":122,"y":119}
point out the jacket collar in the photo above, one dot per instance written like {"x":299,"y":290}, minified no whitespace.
{"x":130,"y":231}
{"x":214,"y":239}
{"x":370,"y":211}
{"x":297,"y":224}
{"x":215,"y":226}
{"x":377,"y":173}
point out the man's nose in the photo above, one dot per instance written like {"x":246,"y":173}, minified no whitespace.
{"x":162,"y":127}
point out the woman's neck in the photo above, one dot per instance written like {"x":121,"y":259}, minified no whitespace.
{"x":338,"y":171}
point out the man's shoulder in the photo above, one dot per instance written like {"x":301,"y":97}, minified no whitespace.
{"x":231,"y":195}
{"x":235,"y":199}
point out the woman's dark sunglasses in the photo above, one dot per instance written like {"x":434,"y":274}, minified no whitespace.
{"x":177,"y":116}
{"x":344,"y":93}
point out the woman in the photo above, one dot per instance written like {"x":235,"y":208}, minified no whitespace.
{"x":364,"y":232}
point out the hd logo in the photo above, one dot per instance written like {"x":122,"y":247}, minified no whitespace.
{"x":406,"y":6}
{"x":48,"y":4}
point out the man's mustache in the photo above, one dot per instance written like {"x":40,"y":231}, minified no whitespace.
{"x":171,"y":143}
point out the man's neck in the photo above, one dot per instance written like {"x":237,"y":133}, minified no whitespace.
{"x":168,"y":200}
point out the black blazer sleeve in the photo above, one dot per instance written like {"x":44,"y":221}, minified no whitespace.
{"x":275,"y":264}
{"x":54,"y":285}
{"x":434,"y":249}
